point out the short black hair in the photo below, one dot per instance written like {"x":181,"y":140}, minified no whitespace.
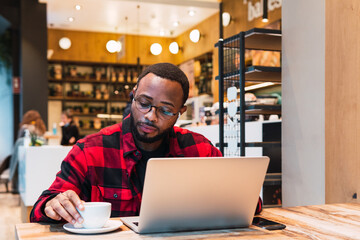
{"x":168,"y":71}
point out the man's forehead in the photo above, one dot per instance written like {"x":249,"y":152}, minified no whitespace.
{"x":153,"y":79}
{"x":153,"y":86}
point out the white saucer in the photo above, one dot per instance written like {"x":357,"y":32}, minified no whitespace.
{"x":111,"y":225}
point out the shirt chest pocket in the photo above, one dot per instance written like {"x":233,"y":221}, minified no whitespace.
{"x":121,"y":199}
{"x":120,"y":194}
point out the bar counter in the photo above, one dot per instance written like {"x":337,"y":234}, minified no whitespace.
{"x":329,"y":221}
{"x":37,"y":170}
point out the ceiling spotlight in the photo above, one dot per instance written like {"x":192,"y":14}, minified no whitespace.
{"x":265,"y":11}
{"x":71,"y":19}
{"x":155,"y":49}
{"x":191,"y":13}
{"x":65,"y":43}
{"x":226,"y":18}
{"x":174,"y":47}
{"x":162,"y":33}
{"x":113,"y":46}
{"x":195,"y":35}
{"x":78,"y":7}
{"x":176,"y":23}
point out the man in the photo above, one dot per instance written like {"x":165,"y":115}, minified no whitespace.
{"x":110,"y":165}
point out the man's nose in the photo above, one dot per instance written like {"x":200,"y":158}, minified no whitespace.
{"x":151,"y":115}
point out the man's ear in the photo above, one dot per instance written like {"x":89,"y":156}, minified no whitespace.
{"x":182,"y":110}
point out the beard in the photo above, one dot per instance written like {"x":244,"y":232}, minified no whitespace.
{"x":143,"y":137}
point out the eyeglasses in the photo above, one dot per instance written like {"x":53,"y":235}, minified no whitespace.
{"x":144,"y":106}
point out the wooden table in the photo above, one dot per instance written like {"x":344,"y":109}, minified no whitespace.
{"x":330,"y":221}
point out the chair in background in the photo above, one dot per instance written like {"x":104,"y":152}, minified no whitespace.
{"x":4,"y":172}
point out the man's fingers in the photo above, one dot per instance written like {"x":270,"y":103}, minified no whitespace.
{"x":59,"y":209}
{"x":63,"y":206}
{"x":74,"y":198}
{"x":70,"y":208}
{"x":51,"y":213}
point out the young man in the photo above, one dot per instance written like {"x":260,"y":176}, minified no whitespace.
{"x":110,"y":165}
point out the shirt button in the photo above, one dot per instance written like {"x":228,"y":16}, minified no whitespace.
{"x":115,"y":195}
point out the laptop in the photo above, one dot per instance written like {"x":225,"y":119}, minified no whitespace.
{"x":187,"y":194}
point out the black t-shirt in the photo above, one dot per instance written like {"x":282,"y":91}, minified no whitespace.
{"x":68,"y":132}
{"x":142,"y":163}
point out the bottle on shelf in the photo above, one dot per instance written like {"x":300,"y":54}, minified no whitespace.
{"x":135,"y":77}
{"x":121,"y":76}
{"x":128,"y":77}
{"x":98,"y":74}
{"x":113,"y":76}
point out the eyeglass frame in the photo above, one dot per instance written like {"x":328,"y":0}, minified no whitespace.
{"x":156,"y":110}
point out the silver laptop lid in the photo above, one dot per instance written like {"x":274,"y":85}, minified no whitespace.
{"x":200,"y":193}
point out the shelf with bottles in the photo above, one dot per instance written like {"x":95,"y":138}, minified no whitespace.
{"x":77,"y":72}
{"x":121,"y":93}
{"x":93,"y":72}
{"x":86,"y":109}
{"x":97,"y":92}
{"x":203,"y":73}
{"x":94,"y":125}
{"x":74,"y":91}
{"x":89,"y":123}
{"x":125,"y":75}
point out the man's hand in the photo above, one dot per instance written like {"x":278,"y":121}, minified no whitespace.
{"x":72,"y":140}
{"x":63,"y":207}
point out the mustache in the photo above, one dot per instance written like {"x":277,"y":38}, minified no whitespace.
{"x":148,"y":123}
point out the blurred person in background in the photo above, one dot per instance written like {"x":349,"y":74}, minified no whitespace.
{"x":70,"y":132}
{"x":33,"y":122}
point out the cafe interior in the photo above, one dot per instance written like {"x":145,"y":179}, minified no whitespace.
{"x":267,"y":78}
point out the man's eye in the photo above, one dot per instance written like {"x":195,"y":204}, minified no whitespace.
{"x":144,"y":104}
{"x":166,"y":111}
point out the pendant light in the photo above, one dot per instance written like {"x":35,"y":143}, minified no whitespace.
{"x":265,"y":11}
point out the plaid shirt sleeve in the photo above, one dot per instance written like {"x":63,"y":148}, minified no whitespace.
{"x":70,"y":177}
{"x":259,"y":206}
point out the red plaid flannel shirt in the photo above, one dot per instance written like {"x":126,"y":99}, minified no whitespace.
{"x":100,"y":168}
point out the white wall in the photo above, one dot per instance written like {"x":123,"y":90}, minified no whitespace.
{"x":6,"y":114}
{"x":303,"y":102}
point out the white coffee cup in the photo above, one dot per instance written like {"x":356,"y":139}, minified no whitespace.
{"x":95,"y":214}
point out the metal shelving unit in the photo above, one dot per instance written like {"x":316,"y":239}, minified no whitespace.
{"x":233,"y":73}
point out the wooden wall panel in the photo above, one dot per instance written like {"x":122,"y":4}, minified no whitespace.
{"x":91,"y":47}
{"x":342,"y":100}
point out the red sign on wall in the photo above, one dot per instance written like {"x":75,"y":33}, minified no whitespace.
{"x":16,"y":85}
